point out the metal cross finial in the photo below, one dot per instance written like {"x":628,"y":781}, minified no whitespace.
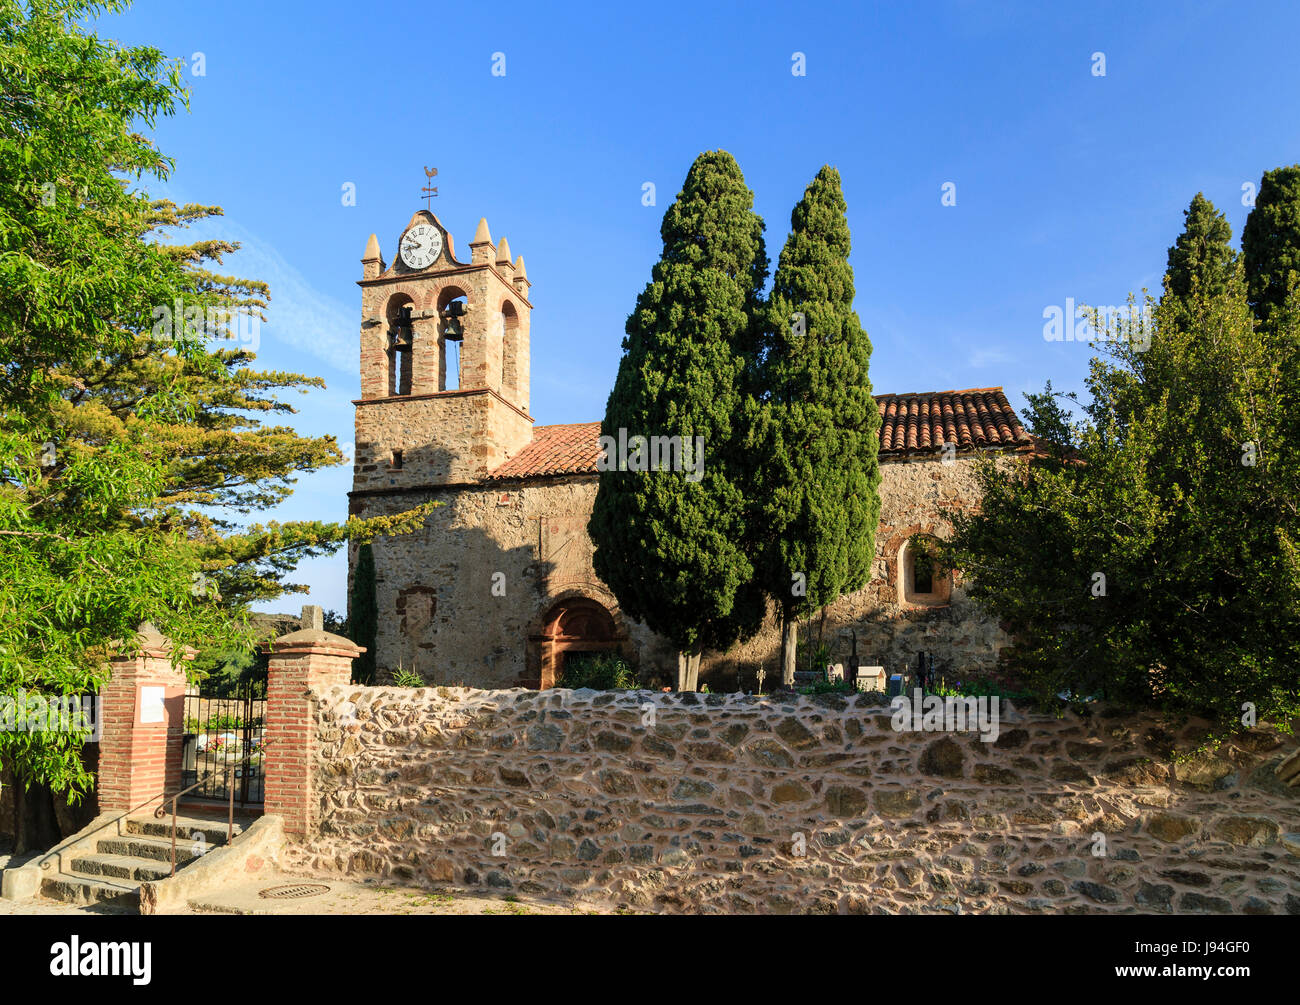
{"x":429,"y":190}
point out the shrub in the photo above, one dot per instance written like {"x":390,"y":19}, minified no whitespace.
{"x":406,"y":678}
{"x":602,"y":672}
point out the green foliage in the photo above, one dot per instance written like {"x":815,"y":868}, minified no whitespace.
{"x":406,"y":678}
{"x":221,"y":722}
{"x":86,"y":552}
{"x":225,"y":671}
{"x":673,"y":550}
{"x":982,"y":688}
{"x":115,"y":437}
{"x":1201,"y":260}
{"x":1180,"y":492}
{"x":829,"y":687}
{"x":363,"y":614}
{"x":1270,"y":242}
{"x":821,"y":655}
{"x":816,"y":436}
{"x":600,"y":671}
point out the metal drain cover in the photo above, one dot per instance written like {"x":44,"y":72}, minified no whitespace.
{"x":293,"y":891}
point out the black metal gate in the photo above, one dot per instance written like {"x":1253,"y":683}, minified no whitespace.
{"x":223,"y":744}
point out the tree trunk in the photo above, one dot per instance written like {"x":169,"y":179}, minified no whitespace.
{"x":693,"y":672}
{"x":35,"y":825}
{"x":682,"y":672}
{"x":789,"y":647}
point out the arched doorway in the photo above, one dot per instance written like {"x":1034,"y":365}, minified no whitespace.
{"x":572,"y":627}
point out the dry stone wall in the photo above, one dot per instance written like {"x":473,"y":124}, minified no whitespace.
{"x":817,"y":804}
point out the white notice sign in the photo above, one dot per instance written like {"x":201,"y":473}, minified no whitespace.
{"x":151,"y":704}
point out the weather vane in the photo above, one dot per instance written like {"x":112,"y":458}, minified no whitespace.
{"x":430,"y":190}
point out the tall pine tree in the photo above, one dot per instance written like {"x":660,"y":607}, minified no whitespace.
{"x":1202,"y":257}
{"x":1199,"y":267}
{"x":817,"y":474}
{"x":1270,"y":241}
{"x":672,"y":545}
{"x":363,"y":614}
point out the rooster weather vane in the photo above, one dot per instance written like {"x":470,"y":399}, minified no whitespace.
{"x":429,"y":190}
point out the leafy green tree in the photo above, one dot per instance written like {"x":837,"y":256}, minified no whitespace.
{"x":1270,"y":242}
{"x":1154,"y":561}
{"x":1202,"y":259}
{"x":221,"y":457}
{"x":84,"y":555}
{"x":110,"y":428}
{"x":363,"y":614}
{"x":817,"y":436}
{"x":672,"y":545}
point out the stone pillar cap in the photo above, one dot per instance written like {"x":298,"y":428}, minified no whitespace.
{"x":313,"y":640}
{"x":148,"y":641}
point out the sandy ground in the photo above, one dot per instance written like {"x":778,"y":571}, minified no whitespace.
{"x":341,"y":898}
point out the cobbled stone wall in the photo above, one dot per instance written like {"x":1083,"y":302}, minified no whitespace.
{"x":705,"y":810}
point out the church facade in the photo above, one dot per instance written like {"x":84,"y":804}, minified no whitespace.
{"x":498,"y":588}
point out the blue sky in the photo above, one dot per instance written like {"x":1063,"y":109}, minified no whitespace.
{"x":1068,"y":184}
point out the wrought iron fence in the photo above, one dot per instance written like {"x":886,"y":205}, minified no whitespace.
{"x":223,"y":745}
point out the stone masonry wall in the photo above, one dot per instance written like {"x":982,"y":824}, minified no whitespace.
{"x":706,"y":809}
{"x":438,"y":608}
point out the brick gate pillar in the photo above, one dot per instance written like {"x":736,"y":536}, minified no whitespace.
{"x":141,"y":723}
{"x":301,"y":663}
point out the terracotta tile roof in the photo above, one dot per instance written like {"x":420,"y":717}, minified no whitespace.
{"x":555,"y":450}
{"x":977,"y":418}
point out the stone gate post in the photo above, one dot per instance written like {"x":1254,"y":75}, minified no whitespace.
{"x":301,"y":663}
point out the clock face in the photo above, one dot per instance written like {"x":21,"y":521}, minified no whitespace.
{"x":421,"y":245}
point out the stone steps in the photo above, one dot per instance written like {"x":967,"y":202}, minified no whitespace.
{"x":153,"y":849}
{"x":74,"y":889}
{"x":141,"y":852}
{"x":120,"y":867}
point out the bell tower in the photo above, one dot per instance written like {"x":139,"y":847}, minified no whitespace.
{"x":444,"y":360}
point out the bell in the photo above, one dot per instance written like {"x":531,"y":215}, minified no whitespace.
{"x":452,"y":330}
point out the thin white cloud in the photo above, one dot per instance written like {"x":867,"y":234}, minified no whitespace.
{"x":990,"y":356}
{"x":300,"y":315}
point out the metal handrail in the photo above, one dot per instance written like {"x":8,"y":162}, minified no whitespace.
{"x":49,"y":857}
{"x":161,"y":811}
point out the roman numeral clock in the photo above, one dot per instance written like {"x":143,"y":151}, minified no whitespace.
{"x":421,"y":246}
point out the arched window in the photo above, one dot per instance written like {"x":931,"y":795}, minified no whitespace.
{"x":509,"y":349}
{"x":921,"y":579}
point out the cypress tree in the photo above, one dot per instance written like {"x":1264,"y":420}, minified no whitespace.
{"x":363,"y":614}
{"x":1270,"y":241}
{"x":1202,"y":258}
{"x":817,"y":438}
{"x":671,"y":544}
{"x":1199,"y":267}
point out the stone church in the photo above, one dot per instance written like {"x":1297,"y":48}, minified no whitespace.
{"x":498,"y":589}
